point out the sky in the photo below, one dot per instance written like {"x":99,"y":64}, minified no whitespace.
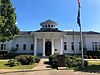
{"x":30,"y":13}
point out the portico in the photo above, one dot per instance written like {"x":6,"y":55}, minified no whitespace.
{"x":48,"y":45}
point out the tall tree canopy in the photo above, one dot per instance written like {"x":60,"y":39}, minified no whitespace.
{"x":8,"y":28}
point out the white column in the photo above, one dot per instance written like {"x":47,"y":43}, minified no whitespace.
{"x":61,"y":51}
{"x":52,"y":46}
{"x":35,"y":46}
{"x":43,"y":46}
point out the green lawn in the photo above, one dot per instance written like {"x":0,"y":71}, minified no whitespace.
{"x":93,"y":65}
{"x":3,"y":66}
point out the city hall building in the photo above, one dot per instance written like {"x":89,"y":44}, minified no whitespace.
{"x":50,"y":40}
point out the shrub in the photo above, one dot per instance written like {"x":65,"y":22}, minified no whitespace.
{"x":25,"y":59}
{"x":93,"y":53}
{"x":70,"y":61}
{"x":37,"y":59}
{"x":85,"y":56}
{"x":12,"y":63}
{"x":4,"y":52}
{"x":90,"y":57}
{"x":13,"y":50}
{"x":98,"y":57}
{"x":95,"y":57}
{"x":52,"y":59}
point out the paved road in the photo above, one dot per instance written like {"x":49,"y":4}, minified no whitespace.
{"x":50,"y":72}
{"x":44,"y":69}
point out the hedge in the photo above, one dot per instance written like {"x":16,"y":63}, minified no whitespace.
{"x":4,"y":52}
{"x":70,"y":61}
{"x":27,"y":59}
{"x":93,"y":53}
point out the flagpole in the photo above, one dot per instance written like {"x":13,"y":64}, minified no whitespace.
{"x":81,"y":38}
{"x":81,"y":41}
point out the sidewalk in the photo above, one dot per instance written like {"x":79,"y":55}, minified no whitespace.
{"x":42,"y":65}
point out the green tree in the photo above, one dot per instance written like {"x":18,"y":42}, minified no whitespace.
{"x":8,"y":28}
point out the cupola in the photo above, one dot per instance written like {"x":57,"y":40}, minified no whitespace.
{"x":48,"y":24}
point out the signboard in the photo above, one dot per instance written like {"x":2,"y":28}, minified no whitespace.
{"x":60,"y":61}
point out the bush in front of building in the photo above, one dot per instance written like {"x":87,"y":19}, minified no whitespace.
{"x":93,"y":53}
{"x":27,"y":59}
{"x":4,"y":54}
{"x":37,"y":59}
{"x":85,"y":57}
{"x":53,"y":60}
{"x":73,"y":61}
{"x":70,"y":61}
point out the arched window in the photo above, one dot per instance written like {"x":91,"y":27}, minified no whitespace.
{"x":45,"y":25}
{"x":48,"y":25}
{"x":51,"y":25}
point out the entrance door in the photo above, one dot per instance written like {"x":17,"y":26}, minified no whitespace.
{"x":48,"y":48}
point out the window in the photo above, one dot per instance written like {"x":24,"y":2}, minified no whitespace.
{"x":48,"y":25}
{"x":93,"y":46}
{"x":45,"y":25}
{"x":96,"y":47}
{"x":55,"y":49}
{"x":24,"y":47}
{"x":3,"y":46}
{"x":65,"y":45}
{"x":17,"y":46}
{"x":51,"y":25}
{"x":79,"y":45}
{"x":32,"y":47}
{"x":72,"y":45}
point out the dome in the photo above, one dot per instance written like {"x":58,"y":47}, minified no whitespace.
{"x":48,"y":24}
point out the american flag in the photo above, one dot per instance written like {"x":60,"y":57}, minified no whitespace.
{"x":78,"y":16}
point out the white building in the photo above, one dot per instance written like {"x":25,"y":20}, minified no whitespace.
{"x":49,"y":40}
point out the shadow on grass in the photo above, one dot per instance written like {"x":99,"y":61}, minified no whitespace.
{"x":90,"y":69}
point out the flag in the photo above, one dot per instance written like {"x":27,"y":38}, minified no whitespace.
{"x":78,"y":16}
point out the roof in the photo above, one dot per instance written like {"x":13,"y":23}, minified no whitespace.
{"x":49,"y":30}
{"x":24,"y":33}
{"x":56,"y":30}
{"x":78,"y":33}
{"x":48,"y":22}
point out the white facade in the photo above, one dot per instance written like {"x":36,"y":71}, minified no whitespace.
{"x":49,"y":40}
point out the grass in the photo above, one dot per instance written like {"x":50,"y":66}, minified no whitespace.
{"x":92,"y":65}
{"x":4,"y":66}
